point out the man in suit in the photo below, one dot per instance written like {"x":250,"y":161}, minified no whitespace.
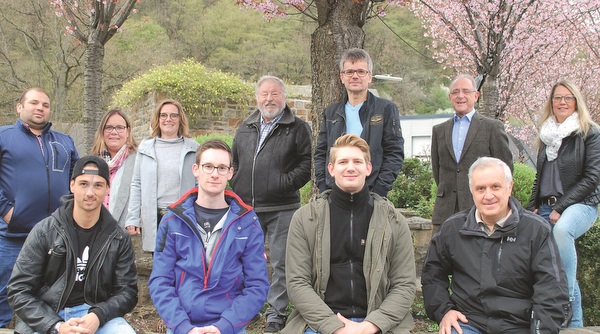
{"x":457,"y":143}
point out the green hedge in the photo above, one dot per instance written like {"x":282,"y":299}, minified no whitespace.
{"x":523,"y":178}
{"x":199,"y":89}
{"x":414,"y":188}
{"x":226,"y":138}
{"x":412,"y":185}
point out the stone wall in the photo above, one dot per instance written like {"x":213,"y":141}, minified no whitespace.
{"x":421,"y":233}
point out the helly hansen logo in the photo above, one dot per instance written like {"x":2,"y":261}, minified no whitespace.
{"x":510,"y":239}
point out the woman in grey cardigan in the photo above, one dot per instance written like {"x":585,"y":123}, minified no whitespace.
{"x":115,"y":143}
{"x":162,"y":172}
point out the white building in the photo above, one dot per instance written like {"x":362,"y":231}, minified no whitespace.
{"x":416,"y":130}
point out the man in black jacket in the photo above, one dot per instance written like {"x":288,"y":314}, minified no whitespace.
{"x":271,"y":162}
{"x":77,"y":261}
{"x":361,"y":113}
{"x":507,"y":276}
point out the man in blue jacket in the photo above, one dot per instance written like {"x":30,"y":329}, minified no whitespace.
{"x":209,"y":273}
{"x":35,"y":168}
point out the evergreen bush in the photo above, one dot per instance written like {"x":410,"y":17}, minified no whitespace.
{"x":412,"y":184}
{"x":414,"y":187}
{"x":199,"y":89}
{"x":523,"y":178}
{"x":425,"y":206}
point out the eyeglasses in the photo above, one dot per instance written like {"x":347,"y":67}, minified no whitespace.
{"x":463,"y":91}
{"x":173,"y":116}
{"x":350,"y":73}
{"x":567,"y":98}
{"x":118,"y":128}
{"x":209,"y":169}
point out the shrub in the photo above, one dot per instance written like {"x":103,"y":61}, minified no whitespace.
{"x":412,"y":184}
{"x":523,"y":178}
{"x":200,"y":90}
{"x":425,"y":206}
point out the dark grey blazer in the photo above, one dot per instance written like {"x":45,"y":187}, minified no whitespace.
{"x":486,"y":137}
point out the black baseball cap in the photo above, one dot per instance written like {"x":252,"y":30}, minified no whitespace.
{"x":98,"y":161}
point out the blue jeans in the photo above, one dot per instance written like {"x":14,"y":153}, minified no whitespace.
{"x":573,"y":223}
{"x":114,"y":326}
{"x":9,"y":250}
{"x":276,"y":225}
{"x":242,"y":331}
{"x":309,"y":330}
{"x":467,"y":329}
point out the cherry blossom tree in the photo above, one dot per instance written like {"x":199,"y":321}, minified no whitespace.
{"x":93,"y":23}
{"x":518,"y":48}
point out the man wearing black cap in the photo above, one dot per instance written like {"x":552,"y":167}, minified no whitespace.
{"x":77,"y":261}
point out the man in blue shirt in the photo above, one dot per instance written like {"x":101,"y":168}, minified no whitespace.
{"x":457,"y":143}
{"x":361,"y":113}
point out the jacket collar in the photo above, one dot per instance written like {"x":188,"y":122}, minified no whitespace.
{"x":319,"y":208}
{"x":341,"y":110}
{"x":146,"y":147}
{"x":64,"y":216}
{"x":471,"y":227}
{"x":184,"y":207}
{"x":24,"y":127}
{"x":347,"y":200}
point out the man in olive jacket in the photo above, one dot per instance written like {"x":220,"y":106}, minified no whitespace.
{"x":76,"y":272}
{"x":350,"y":263}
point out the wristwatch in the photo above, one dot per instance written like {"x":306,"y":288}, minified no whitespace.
{"x":56,"y":328}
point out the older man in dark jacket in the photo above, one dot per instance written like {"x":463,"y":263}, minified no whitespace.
{"x":507,"y":276}
{"x":76,"y":271}
{"x":271,"y":162}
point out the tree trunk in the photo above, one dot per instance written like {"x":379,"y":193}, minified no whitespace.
{"x":488,"y":102}
{"x":92,"y":100}
{"x":340,"y":28}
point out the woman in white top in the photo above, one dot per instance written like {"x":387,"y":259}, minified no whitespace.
{"x":163,"y":171}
